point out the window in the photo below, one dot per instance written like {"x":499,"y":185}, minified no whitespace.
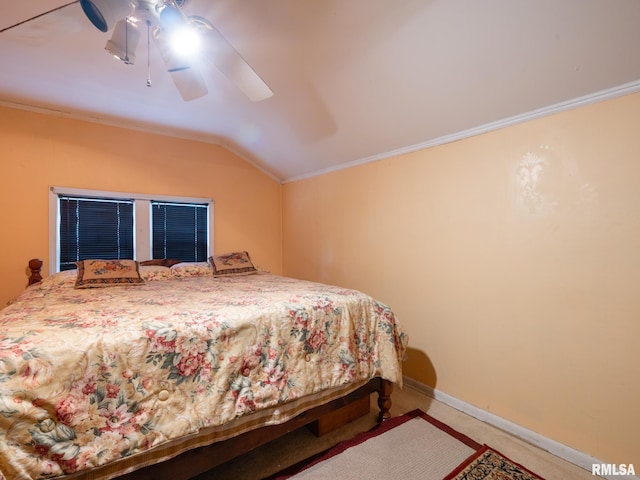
{"x":94,"y":228}
{"x":179,"y":230}
{"x":93,"y":224}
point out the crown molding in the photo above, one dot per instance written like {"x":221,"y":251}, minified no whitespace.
{"x":600,"y":96}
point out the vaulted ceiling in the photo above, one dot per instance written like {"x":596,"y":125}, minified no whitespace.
{"x":353,"y":80}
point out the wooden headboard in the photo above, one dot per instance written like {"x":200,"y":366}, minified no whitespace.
{"x":35,"y":267}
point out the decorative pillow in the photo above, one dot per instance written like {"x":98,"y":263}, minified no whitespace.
{"x":162,"y":262}
{"x":107,"y":273}
{"x":191,"y":269}
{"x":150,"y":273}
{"x":234,"y":263}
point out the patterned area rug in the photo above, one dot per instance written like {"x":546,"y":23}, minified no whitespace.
{"x":412,"y":446}
{"x":488,"y":464}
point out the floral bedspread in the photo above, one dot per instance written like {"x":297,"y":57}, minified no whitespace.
{"x":90,"y":376}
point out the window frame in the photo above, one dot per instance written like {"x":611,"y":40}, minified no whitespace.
{"x":142,"y":230}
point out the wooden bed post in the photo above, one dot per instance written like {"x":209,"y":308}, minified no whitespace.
{"x":35,"y":266}
{"x":384,"y":399}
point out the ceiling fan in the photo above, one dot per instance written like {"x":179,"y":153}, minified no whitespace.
{"x":171,"y":30}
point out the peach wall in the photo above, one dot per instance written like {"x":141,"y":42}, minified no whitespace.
{"x":38,"y":151}
{"x":513,"y":260}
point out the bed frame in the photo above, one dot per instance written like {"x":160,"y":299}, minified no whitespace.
{"x":196,"y":461}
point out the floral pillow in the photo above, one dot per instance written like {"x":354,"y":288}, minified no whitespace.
{"x":64,"y":279}
{"x":150,"y":273}
{"x":234,"y":263}
{"x":191,"y":269}
{"x":107,"y":273}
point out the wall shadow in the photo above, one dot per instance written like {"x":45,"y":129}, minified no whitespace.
{"x":419,"y":370}
{"x":418,"y":367}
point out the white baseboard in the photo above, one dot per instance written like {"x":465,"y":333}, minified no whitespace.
{"x":558,"y":449}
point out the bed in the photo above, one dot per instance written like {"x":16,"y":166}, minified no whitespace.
{"x":179,"y":367}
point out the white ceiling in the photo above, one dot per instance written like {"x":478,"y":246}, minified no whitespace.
{"x":353,"y":80}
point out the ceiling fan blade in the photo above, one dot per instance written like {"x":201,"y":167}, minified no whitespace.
{"x":187,"y":78}
{"x":189,"y":83}
{"x":231,"y":63}
{"x":22,"y":22}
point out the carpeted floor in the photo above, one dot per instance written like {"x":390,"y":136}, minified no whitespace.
{"x":414,"y":446}
{"x":411,"y":446}
{"x":301,"y":444}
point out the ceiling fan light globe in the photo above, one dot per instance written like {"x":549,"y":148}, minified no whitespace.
{"x":171,"y":17}
{"x":124,"y":41}
{"x":184,"y":41}
{"x":104,"y":14}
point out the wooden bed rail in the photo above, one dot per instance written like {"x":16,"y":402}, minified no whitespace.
{"x":199,"y":460}
{"x":35,"y":267}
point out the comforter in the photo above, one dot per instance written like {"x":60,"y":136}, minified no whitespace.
{"x":91,"y":376}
